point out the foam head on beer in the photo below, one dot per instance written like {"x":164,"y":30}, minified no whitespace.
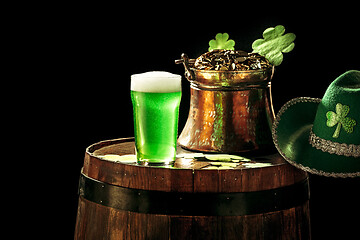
{"x":156,"y":82}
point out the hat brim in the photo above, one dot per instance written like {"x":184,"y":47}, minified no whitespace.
{"x":291,"y":131}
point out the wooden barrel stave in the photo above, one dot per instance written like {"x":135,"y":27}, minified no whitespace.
{"x":96,"y":221}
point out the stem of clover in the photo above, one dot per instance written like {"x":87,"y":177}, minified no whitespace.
{"x":337,"y":131}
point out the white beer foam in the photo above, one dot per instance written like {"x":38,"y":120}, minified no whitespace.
{"x":156,"y":81}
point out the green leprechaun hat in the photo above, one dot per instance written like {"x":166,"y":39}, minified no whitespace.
{"x":322,"y":136}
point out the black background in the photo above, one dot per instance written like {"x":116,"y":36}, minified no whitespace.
{"x":90,"y":51}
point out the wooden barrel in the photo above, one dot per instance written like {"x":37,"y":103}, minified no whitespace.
{"x":264,"y":198}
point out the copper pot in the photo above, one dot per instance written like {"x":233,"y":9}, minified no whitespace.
{"x":230,"y":111}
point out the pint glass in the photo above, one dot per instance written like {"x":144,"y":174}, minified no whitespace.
{"x":156,"y":98}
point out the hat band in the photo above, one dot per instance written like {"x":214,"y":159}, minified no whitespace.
{"x":340,"y":149}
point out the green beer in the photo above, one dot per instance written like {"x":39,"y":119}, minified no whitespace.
{"x":156,"y":98}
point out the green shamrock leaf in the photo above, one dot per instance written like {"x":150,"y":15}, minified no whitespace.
{"x":340,"y":119}
{"x":222,"y":41}
{"x":274,"y":44}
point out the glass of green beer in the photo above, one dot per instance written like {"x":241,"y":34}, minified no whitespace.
{"x":156,"y":99}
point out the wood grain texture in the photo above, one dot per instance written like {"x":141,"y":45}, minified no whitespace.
{"x":95,"y":221}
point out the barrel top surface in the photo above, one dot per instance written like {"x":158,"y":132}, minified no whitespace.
{"x":189,"y":174}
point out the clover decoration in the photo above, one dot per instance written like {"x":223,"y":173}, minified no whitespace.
{"x":221,"y":41}
{"x":274,"y":44}
{"x":272,"y":47}
{"x":340,"y":119}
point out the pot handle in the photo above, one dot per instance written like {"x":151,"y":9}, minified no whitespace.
{"x":189,"y":74}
